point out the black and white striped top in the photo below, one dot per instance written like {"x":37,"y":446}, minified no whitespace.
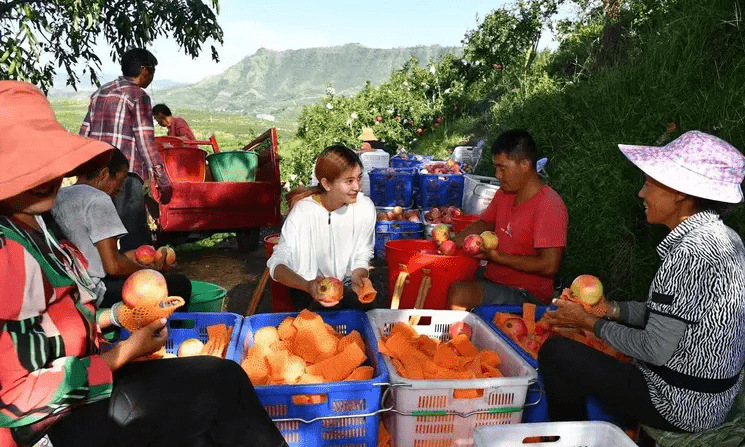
{"x":701,"y":281}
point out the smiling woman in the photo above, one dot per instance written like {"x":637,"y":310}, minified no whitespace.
{"x":329,"y":232}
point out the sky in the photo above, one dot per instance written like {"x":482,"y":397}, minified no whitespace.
{"x":296,"y":24}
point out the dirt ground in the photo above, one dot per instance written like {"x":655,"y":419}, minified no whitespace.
{"x":239,"y":272}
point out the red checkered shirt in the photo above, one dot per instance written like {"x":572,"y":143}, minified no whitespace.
{"x":120,"y":114}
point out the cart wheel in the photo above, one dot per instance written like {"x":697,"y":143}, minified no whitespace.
{"x":248,"y":240}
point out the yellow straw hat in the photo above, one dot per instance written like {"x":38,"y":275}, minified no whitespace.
{"x":367,"y":135}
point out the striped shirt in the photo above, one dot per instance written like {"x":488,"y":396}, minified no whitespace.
{"x":48,"y":333}
{"x":120,"y":114}
{"x":701,"y":281}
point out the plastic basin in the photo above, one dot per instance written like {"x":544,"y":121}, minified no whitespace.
{"x":237,"y":166}
{"x":184,"y":164}
{"x":206,"y":297}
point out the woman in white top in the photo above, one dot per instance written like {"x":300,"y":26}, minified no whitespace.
{"x":329,"y":232}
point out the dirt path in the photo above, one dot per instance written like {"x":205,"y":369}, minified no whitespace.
{"x":239,"y":272}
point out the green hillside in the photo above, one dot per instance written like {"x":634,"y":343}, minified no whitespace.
{"x":279,"y":83}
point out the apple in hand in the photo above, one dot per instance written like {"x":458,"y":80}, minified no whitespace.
{"x":144,"y":288}
{"x":166,"y":254}
{"x":490,"y":240}
{"x":145,"y":254}
{"x":330,"y":291}
{"x":587,"y":288}
{"x":472,"y":244}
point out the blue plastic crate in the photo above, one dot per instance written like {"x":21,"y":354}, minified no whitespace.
{"x":350,"y":414}
{"x":397,"y":225}
{"x":184,"y":325}
{"x":539,"y":411}
{"x":381,"y":237}
{"x":392,"y":186}
{"x":435,"y":190}
{"x":410,"y":160}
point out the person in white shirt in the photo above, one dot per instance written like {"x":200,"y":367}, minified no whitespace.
{"x":329,"y":232}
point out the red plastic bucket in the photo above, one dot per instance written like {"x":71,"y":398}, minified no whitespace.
{"x":184,"y":164}
{"x":281,"y":301}
{"x":459,"y":223}
{"x":414,"y":256}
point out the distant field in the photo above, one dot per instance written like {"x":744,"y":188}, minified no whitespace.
{"x":232,"y":131}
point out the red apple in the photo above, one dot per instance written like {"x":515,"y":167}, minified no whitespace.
{"x":391,"y":215}
{"x":165,"y":253}
{"x":414,"y":218}
{"x":144,"y":288}
{"x":398,"y":118}
{"x":448,"y":248}
{"x":435,"y":213}
{"x":472,"y":244}
{"x":447,"y":219}
{"x":460,"y":328}
{"x":440,"y":233}
{"x":490,"y":240}
{"x":378,"y":118}
{"x":382,"y":216}
{"x":435,"y":125}
{"x":454,"y":211}
{"x":420,"y":131}
{"x":515,"y":328}
{"x":145,"y":254}
{"x":330,"y":291}
{"x":587,"y":288}
{"x":532,"y":345}
{"x":398,"y":211}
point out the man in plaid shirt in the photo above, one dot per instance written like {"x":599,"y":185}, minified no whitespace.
{"x":120,"y":113}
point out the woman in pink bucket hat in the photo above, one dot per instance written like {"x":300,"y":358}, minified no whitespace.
{"x":55,"y":378}
{"x":687,"y":340}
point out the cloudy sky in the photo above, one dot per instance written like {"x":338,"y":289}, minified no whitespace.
{"x":296,"y":24}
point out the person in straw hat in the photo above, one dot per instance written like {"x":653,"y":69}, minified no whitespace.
{"x":55,"y":375}
{"x":686,"y":339}
{"x":369,"y":140}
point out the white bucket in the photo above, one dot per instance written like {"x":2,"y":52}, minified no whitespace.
{"x":478,"y":191}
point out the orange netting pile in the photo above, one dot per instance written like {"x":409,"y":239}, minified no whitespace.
{"x":422,"y":357}
{"x":305,"y":350}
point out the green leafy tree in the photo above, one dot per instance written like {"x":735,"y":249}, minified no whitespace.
{"x":39,"y":36}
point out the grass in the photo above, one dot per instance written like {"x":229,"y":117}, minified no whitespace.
{"x":232,"y":130}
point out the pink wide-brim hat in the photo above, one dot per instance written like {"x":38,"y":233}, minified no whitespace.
{"x":34,"y":147}
{"x":696,"y":163}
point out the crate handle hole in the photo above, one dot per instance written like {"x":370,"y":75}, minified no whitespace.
{"x":309,"y":399}
{"x":468,"y":393}
{"x":424,"y":321}
{"x":181,"y":324}
{"x":540,"y":439}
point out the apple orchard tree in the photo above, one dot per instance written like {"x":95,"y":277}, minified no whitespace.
{"x":38,"y":37}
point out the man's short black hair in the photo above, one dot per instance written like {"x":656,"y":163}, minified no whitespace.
{"x":133,"y":60}
{"x":161,"y":108}
{"x":117,"y":163}
{"x":517,"y":144}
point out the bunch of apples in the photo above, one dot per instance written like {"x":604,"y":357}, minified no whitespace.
{"x":441,"y":237}
{"x":441,"y":167}
{"x":398,"y":214}
{"x":443,"y":214}
{"x":148,"y":255}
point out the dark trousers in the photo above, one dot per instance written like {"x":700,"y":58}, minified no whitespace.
{"x":573,"y":371}
{"x":178,"y":285}
{"x":304,"y":300}
{"x":130,"y":205}
{"x":193,"y":401}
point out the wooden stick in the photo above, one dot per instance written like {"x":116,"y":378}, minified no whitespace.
{"x":258,"y":293}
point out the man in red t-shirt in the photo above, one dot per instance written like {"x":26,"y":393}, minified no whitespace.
{"x":177,"y":126}
{"x":530,"y":221}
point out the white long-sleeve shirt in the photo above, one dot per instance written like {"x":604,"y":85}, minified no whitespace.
{"x":317,"y":242}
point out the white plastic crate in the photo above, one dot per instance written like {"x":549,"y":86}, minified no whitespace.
{"x":569,"y":434}
{"x":370,"y":160}
{"x":425,"y":412}
{"x":478,"y":191}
